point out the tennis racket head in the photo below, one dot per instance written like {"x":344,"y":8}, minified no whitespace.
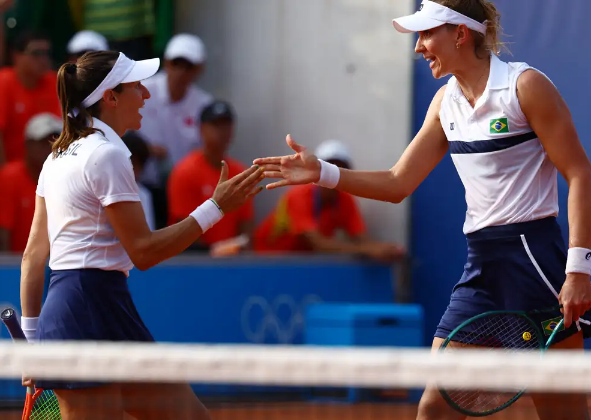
{"x":39,"y":403}
{"x":510,"y":331}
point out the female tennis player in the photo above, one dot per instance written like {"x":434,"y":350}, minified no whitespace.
{"x":508,"y":131}
{"x":89,"y":221}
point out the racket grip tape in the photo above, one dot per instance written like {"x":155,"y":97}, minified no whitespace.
{"x":10,"y":319}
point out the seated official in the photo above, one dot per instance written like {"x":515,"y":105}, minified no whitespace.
{"x":308,"y":218}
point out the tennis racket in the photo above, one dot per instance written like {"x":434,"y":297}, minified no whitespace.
{"x":39,"y":404}
{"x":508,"y":330}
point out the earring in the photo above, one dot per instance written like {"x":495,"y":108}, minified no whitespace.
{"x":458,"y":45}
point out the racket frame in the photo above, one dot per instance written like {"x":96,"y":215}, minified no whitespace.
{"x":544,"y":345}
{"x":10,"y":320}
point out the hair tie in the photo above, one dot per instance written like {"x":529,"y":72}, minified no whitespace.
{"x":71,"y":68}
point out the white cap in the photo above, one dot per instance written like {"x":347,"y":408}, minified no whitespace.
{"x":333,"y":150}
{"x":42,"y":125}
{"x":431,"y":15}
{"x":187,"y":46}
{"x":125,"y":70}
{"x":87,"y":41}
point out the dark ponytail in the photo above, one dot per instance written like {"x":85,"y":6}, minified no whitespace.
{"x":74,"y":83}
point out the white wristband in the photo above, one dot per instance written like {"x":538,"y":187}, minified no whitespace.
{"x":207,"y":214}
{"x":578,"y":261}
{"x":329,"y":175}
{"x":29,"y":327}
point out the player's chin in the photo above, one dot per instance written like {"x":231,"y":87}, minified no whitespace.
{"x":137,"y":123}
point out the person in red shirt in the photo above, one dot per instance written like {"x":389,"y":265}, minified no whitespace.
{"x":18,"y":182}
{"x":194,"y":178}
{"x":27,"y":88}
{"x":308,"y":218}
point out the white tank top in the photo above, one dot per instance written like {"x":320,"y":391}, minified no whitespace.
{"x":506,"y":172}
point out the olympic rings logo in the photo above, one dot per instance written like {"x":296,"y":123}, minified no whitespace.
{"x":281,"y":319}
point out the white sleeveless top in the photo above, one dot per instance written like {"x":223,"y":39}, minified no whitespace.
{"x":506,"y":172}
{"x":93,"y":173}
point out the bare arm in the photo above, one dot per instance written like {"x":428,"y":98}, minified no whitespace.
{"x":549,"y":117}
{"x":418,"y":160}
{"x":394,"y":185}
{"x":147,"y":248}
{"x":33,"y":264}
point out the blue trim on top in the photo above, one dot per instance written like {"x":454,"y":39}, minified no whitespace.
{"x":487,"y":146}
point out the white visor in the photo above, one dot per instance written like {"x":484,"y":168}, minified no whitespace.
{"x":431,"y":15}
{"x":125,"y":70}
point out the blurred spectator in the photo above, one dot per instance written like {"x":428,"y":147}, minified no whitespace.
{"x":28,"y":88}
{"x":139,"y":156}
{"x":83,"y":42}
{"x":171,"y":116}
{"x":195,"y":177}
{"x":128,"y":25}
{"x":309,"y":217}
{"x":18,"y":182}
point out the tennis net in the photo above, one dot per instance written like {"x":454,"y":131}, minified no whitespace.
{"x":281,"y":382}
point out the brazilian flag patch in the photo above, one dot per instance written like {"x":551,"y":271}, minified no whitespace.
{"x":499,"y":125}
{"x":549,"y":325}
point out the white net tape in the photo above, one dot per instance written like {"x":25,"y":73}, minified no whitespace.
{"x":298,"y":366}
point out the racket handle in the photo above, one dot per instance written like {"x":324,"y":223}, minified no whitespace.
{"x":30,"y":390}
{"x":10,"y":319}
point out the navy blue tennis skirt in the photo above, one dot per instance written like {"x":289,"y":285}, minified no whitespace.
{"x":88,"y":304}
{"x":518,"y":267}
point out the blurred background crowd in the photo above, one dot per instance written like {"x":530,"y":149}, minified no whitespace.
{"x":186,"y":132}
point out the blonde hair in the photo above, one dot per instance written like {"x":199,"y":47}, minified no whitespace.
{"x":481,"y":11}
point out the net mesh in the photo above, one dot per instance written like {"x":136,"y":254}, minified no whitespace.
{"x":279,"y":382}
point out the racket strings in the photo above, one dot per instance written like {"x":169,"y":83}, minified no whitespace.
{"x":46,"y":407}
{"x":498,"y":332}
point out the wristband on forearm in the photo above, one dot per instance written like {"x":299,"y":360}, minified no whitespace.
{"x":578,"y":261}
{"x":329,"y":175}
{"x":29,"y":327}
{"x":207,"y":214}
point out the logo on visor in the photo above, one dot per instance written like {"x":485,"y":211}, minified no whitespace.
{"x":499,"y":125}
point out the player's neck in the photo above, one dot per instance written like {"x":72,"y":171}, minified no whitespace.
{"x":26,"y":80}
{"x":473,"y":78}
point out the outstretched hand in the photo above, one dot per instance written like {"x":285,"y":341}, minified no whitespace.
{"x":231,"y":194}
{"x":297,"y":169}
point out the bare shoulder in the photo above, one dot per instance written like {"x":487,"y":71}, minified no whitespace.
{"x":533,"y":83}
{"x":435,"y":107}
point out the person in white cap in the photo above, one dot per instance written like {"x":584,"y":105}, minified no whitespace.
{"x":509,"y":132}
{"x":308,"y":218}
{"x":171,"y":118}
{"x":18,"y":181}
{"x":90,"y":223}
{"x":84,"y":41}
